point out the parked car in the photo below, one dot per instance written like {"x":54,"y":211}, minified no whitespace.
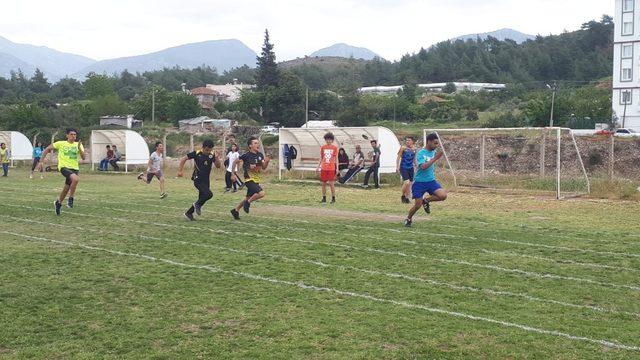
{"x":626,"y":133}
{"x":268,"y":129}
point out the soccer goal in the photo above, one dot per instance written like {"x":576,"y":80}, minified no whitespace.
{"x":534,"y":159}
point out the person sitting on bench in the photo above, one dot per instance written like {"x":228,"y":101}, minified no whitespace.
{"x":116,"y":157}
{"x":355,"y":166}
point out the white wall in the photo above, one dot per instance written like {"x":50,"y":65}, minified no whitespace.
{"x":632,"y":118}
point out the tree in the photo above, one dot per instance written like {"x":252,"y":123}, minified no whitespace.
{"x":286,"y":102}
{"x":38,"y":83}
{"x":267,"y":72}
{"x":142,"y":104}
{"x":449,"y":88}
{"x":25,"y":118}
{"x":183,"y":106}
{"x":67,"y":89}
{"x":109,"y":105}
{"x":98,"y":85}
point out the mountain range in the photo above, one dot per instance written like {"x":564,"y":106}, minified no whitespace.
{"x":220,"y":54}
{"x":502,"y":34}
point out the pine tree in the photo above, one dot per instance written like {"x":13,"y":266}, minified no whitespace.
{"x":268,"y":74}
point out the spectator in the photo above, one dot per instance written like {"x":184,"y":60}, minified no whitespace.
{"x":373,"y":169}
{"x":116,"y":157}
{"x":343,"y":160}
{"x":37,"y":154}
{"x":5,"y":155}
{"x":104,"y":163}
{"x":232,"y":156}
{"x":355,"y":166}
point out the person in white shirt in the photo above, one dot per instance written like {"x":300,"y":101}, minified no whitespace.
{"x":154,"y":168}
{"x":230,"y":162}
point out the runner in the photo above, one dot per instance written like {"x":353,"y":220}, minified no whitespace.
{"x":203,"y":160}
{"x":328,"y":167}
{"x":425,"y":179}
{"x":253,"y":161}
{"x":154,"y":168}
{"x":405,"y":165}
{"x":37,"y":155}
{"x":232,"y":156}
{"x":68,"y":151}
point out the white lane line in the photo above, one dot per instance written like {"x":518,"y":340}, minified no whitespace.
{"x":437,"y":245}
{"x":504,"y":228}
{"x":521,"y":272}
{"x":301,"y":285}
{"x":345,"y":268}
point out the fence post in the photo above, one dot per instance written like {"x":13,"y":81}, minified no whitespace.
{"x":558,"y":162}
{"x":164,"y":150}
{"x":191,"y":142}
{"x":542,"y":152}
{"x":612,"y":158}
{"x":482,"y":155}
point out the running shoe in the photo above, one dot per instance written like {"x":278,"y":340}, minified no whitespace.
{"x":426,"y":207}
{"x":58,"y":206}
{"x":163,"y":195}
{"x":140,"y":176}
{"x":197,"y":208}
{"x":189,"y":216}
{"x":70,"y":202}
{"x":235,"y":213}
{"x":407,"y":223}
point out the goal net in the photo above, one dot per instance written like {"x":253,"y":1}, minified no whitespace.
{"x":534,"y":159}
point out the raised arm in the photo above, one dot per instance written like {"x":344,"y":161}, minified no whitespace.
{"x":46,"y":152}
{"x":432,"y":161}
{"x":265,"y":162}
{"x":217,"y":162}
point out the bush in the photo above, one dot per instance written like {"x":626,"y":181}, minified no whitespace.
{"x":504,"y":120}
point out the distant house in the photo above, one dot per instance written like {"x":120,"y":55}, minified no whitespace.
{"x":230,"y":92}
{"x":206,"y":97}
{"x":125,"y":121}
{"x":205,"y":124}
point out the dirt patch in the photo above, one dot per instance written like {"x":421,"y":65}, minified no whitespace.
{"x":213,"y":310}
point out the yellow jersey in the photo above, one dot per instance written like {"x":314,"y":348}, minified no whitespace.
{"x":68,"y":154}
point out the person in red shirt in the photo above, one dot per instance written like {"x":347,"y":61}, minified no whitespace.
{"x":328,"y":167}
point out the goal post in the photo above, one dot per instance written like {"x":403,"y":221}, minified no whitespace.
{"x":529,"y":158}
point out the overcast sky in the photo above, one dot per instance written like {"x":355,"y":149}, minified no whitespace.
{"x":391,"y":28}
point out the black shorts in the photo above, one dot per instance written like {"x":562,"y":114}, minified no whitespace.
{"x":66,"y":172}
{"x":151,"y":175}
{"x":252,"y":188}
{"x":407,"y":174}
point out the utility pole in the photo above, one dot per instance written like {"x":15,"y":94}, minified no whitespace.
{"x":153,"y":105}
{"x":306,"y":108}
{"x":554,"y":88}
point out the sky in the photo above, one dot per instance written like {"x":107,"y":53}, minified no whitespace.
{"x":391,"y":28}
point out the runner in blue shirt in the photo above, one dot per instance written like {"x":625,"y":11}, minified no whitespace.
{"x":405,"y":165}
{"x":425,"y":179}
{"x":37,"y":154}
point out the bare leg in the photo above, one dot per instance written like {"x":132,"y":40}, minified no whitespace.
{"x":438,"y":195}
{"x":162,"y":185}
{"x":74,"y":183}
{"x":257,"y":196}
{"x":332,"y":186}
{"x":64,"y":192}
{"x":416,"y":206}
{"x":406,"y":189}
{"x":324,"y":189}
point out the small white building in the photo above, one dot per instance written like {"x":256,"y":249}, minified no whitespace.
{"x":125,"y":121}
{"x":205,"y":124}
{"x":626,"y":64}
{"x":230,"y":92}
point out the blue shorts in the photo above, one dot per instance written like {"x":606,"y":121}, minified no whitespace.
{"x":407,"y":174}
{"x":420,"y":188}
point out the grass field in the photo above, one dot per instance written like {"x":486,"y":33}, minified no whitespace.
{"x":123,"y":275}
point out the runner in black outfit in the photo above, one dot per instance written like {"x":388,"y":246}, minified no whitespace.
{"x":203,"y":160}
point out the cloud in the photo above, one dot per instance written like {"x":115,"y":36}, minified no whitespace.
{"x":391,"y":28}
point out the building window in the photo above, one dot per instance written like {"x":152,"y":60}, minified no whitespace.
{"x":627,"y":74}
{"x":627,"y":51}
{"x":626,"y":97}
{"x":627,"y":28}
{"x":627,"y":5}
